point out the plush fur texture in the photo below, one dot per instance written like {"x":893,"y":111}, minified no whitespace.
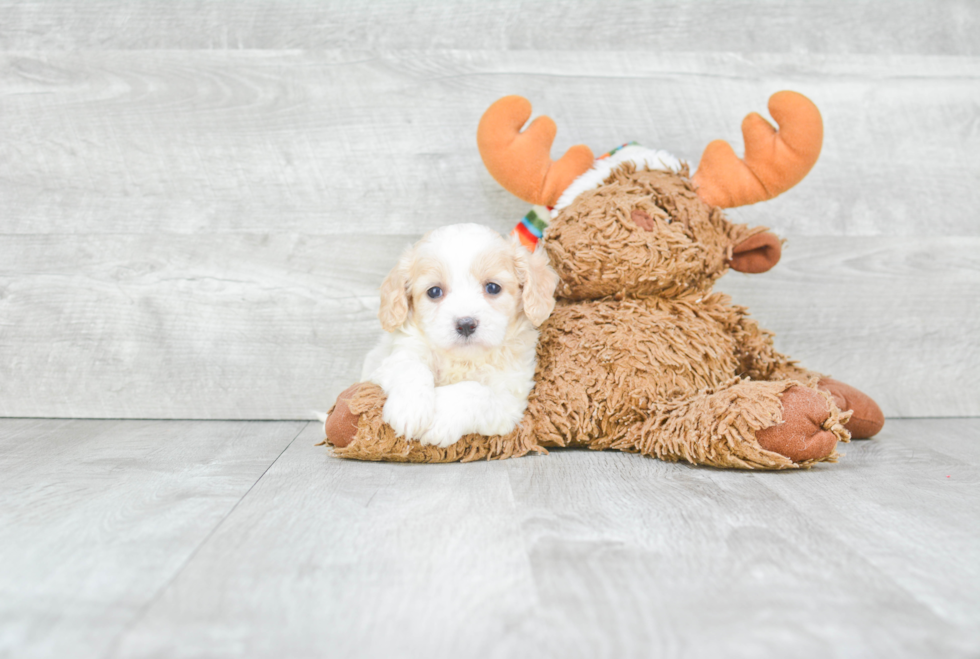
{"x":599,"y":247}
{"x":602,"y":168}
{"x":460,"y":309}
{"x":640,"y":354}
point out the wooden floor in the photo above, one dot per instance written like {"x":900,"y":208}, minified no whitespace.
{"x":198,"y":202}
{"x":234,"y":538}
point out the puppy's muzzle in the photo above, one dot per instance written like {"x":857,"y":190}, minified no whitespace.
{"x":466,"y":326}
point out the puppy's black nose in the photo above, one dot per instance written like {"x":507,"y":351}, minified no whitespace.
{"x":466,"y":326}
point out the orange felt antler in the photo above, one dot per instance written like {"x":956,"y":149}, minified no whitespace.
{"x":521,"y":162}
{"x":774,"y":160}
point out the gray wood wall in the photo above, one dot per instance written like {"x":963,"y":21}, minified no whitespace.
{"x":198,"y":200}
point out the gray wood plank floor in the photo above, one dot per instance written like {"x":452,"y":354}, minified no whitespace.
{"x":179,"y":539}
{"x":198,"y":200}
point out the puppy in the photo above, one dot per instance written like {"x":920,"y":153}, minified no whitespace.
{"x":461,"y":310}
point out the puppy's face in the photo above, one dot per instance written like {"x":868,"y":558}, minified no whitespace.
{"x":464,"y":287}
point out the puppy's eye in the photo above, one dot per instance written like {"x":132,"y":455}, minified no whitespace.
{"x":492,"y":288}
{"x":434,"y":293}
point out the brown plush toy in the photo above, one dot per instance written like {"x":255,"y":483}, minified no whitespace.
{"x":640,"y":355}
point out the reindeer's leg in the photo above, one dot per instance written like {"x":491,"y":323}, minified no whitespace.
{"x":759,"y":360}
{"x":867,"y":419}
{"x":743,"y":424}
{"x":355,"y":428}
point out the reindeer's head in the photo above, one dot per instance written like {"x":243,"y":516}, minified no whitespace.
{"x":637,"y":224}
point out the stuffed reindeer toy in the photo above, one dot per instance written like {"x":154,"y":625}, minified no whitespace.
{"x":640,"y":354}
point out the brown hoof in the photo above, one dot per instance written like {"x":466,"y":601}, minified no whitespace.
{"x":867,"y":419}
{"x":341,"y":425}
{"x":800,"y":436}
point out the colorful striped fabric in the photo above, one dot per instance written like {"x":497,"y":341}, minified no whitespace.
{"x":531,"y":228}
{"x":618,"y":148}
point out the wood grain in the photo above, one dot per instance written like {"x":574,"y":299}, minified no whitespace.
{"x":350,"y":559}
{"x":198,"y":200}
{"x":360,"y":142}
{"x":958,"y":439}
{"x":98,"y":516}
{"x":581,"y":554}
{"x":893,"y":317}
{"x":925,"y":28}
{"x":275,"y":326}
{"x":636,"y":558}
{"x":918,"y":552}
{"x":203,"y":326}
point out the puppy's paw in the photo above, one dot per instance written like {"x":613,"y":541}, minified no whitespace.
{"x":444,"y":431}
{"x":410,"y":411}
{"x":455,"y":409}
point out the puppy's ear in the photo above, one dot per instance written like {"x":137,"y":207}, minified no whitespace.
{"x":538,"y":282}
{"x":394,"y":295}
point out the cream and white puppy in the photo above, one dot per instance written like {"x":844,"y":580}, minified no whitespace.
{"x":460,"y":310}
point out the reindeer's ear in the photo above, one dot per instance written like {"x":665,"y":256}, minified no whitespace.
{"x":394,"y":296}
{"x":538,"y":282}
{"x":756,"y":253}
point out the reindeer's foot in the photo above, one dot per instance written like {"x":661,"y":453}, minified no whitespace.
{"x":341,"y":423}
{"x":867,"y":419}
{"x":746,"y":424}
{"x":810,"y":429}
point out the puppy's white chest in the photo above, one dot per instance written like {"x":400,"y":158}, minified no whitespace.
{"x":451,"y":371}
